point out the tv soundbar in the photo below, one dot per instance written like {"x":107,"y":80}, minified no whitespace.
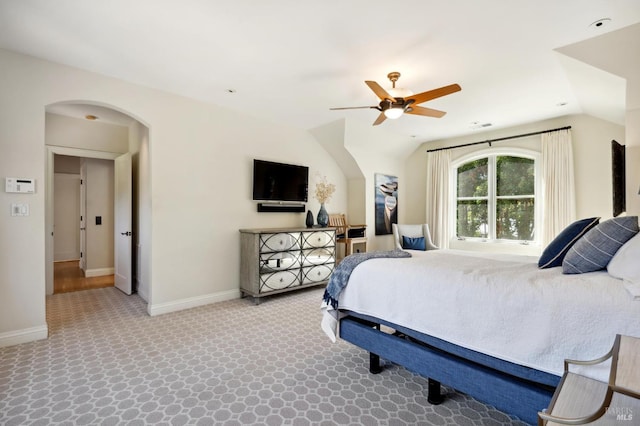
{"x":281,"y":208}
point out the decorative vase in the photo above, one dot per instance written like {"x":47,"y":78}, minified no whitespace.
{"x":323,"y":217}
{"x":309,"y":221}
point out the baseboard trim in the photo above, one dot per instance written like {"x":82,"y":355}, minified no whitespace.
{"x":17,"y":337}
{"x":191,"y":302}
{"x":66,"y":257}
{"x":99,"y":272}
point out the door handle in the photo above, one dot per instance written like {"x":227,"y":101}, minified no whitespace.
{"x":128,"y":233}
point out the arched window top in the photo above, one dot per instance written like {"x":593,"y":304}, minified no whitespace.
{"x":515,"y":152}
{"x":496,"y":195}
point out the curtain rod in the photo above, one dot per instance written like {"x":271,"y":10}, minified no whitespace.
{"x":489,"y":141}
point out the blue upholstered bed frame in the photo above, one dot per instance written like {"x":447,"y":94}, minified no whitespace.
{"x":509,"y":387}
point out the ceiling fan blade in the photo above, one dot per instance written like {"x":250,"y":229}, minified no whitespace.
{"x":358,"y":107}
{"x":433,"y":94}
{"x":428,"y":112}
{"x":380,"y":119}
{"x":379,"y":91}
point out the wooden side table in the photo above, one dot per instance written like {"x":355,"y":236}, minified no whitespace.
{"x":580,"y":400}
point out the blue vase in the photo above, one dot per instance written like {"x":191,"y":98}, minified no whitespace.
{"x":323,"y":217}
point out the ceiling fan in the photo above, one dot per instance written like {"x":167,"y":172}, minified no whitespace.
{"x":397,"y":101}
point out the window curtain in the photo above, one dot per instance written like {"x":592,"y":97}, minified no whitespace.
{"x":559,"y":189}
{"x":438,"y":202}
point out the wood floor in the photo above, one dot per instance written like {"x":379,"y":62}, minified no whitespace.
{"x":67,"y":277}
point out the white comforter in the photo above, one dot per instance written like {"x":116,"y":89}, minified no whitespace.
{"x":503,"y":306}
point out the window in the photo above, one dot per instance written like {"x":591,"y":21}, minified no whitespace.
{"x":496,"y":197}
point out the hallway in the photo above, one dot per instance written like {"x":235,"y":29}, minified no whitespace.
{"x":68,"y":277}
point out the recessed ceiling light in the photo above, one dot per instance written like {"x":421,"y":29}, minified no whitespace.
{"x":91,"y":117}
{"x":600,"y":23}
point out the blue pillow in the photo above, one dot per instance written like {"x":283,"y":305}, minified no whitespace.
{"x":594,"y":251}
{"x":416,"y":243}
{"x":555,"y":252}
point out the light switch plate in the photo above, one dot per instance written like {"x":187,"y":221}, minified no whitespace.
{"x":19,"y":209}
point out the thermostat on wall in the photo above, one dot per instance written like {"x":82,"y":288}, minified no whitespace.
{"x":22,"y":185}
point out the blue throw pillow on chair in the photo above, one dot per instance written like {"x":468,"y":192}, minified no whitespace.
{"x":557,"y":249}
{"x":414,"y":243}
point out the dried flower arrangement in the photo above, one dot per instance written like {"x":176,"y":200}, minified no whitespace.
{"x":324,"y":190}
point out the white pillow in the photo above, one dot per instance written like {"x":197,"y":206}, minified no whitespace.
{"x":625,"y":264}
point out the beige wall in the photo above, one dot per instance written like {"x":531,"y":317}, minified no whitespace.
{"x":99,"y":202}
{"x":66,"y":164}
{"x":199,"y":183}
{"x":66,"y":208}
{"x":633,"y":161}
{"x":66,"y":217}
{"x":84,"y":134}
{"x":350,"y":143}
{"x":358,"y":138}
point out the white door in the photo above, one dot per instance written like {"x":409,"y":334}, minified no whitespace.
{"x":122,"y":224}
{"x":83,"y":215}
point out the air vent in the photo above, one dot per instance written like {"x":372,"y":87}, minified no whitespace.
{"x":478,"y":125}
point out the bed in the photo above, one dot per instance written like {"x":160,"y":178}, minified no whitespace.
{"x":495,"y":327}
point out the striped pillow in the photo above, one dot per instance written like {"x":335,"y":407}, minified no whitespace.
{"x":595,"y":249}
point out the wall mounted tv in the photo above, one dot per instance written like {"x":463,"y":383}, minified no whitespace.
{"x":279,"y":182}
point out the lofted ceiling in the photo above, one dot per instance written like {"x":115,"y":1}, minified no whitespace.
{"x":289,"y":61}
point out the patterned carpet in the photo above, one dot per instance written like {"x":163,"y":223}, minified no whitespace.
{"x":233,"y":363}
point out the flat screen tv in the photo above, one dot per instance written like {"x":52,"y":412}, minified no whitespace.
{"x":279,"y":182}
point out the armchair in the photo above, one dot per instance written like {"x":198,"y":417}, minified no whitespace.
{"x":412,"y":231}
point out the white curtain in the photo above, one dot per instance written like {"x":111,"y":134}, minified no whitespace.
{"x":438,"y":201}
{"x":559,"y":189}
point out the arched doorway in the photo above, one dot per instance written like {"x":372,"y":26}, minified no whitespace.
{"x":101,"y":132}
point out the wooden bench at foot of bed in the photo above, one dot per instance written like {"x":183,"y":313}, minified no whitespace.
{"x":511,"y":388}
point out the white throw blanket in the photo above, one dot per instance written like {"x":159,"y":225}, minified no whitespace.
{"x":500,"y":305}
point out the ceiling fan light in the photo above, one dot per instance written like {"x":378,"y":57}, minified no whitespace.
{"x":399,"y":92}
{"x":393,"y":113}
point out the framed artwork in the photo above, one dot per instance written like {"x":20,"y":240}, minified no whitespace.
{"x":386,"y":202}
